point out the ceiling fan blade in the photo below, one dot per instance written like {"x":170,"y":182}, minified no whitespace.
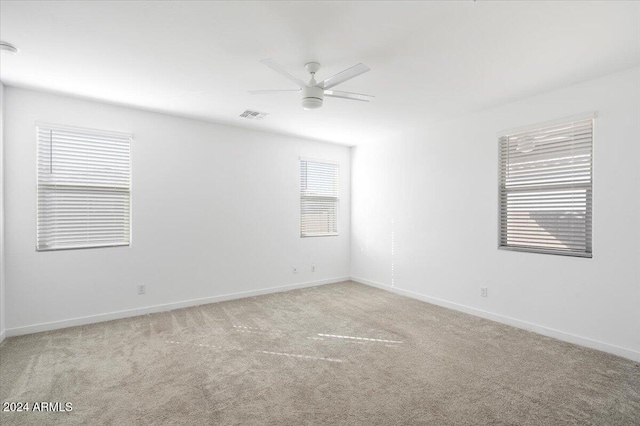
{"x":343,"y":76}
{"x":348,"y":95}
{"x":269,"y":92}
{"x":282,"y":71}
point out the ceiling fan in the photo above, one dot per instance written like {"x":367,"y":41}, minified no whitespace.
{"x":313,"y":92}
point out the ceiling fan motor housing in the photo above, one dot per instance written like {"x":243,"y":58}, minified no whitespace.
{"x":312,"y":97}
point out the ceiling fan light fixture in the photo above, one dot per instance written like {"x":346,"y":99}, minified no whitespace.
{"x":311,"y":103}
{"x":312,"y":97}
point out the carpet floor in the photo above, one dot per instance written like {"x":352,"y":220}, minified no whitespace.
{"x":334,"y":354}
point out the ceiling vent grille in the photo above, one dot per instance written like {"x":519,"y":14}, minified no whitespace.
{"x":253,"y":115}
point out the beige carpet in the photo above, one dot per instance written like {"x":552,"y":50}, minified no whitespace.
{"x":335,"y":354}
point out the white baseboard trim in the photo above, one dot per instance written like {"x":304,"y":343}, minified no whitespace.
{"x":54,"y":325}
{"x":545,"y":331}
{"x":3,"y":334}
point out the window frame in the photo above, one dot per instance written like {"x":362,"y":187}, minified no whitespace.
{"x":536,"y":127}
{"x":97,"y":132}
{"x":337,"y":197}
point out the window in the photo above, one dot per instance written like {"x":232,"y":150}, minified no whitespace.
{"x":546,"y":188}
{"x":318,"y":198}
{"x":84,"y":188}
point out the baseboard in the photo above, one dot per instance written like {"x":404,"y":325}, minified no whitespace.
{"x":73,"y":322}
{"x":3,"y":334}
{"x":545,"y":331}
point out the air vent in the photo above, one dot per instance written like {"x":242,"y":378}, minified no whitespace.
{"x":8,"y":47}
{"x":253,"y":115}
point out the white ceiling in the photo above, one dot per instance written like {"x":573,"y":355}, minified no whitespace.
{"x":430,"y":60}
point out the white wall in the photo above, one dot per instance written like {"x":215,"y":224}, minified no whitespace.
{"x":215,"y":212}
{"x":2,"y":299}
{"x":425,"y":220}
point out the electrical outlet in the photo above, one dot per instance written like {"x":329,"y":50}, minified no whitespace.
{"x":295,"y":269}
{"x":483,"y":291}
{"x":313,"y":268}
{"x":141,"y":289}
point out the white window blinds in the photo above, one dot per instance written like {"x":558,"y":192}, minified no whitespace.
{"x":84,"y":187}
{"x":318,"y":198}
{"x":546,"y":189}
